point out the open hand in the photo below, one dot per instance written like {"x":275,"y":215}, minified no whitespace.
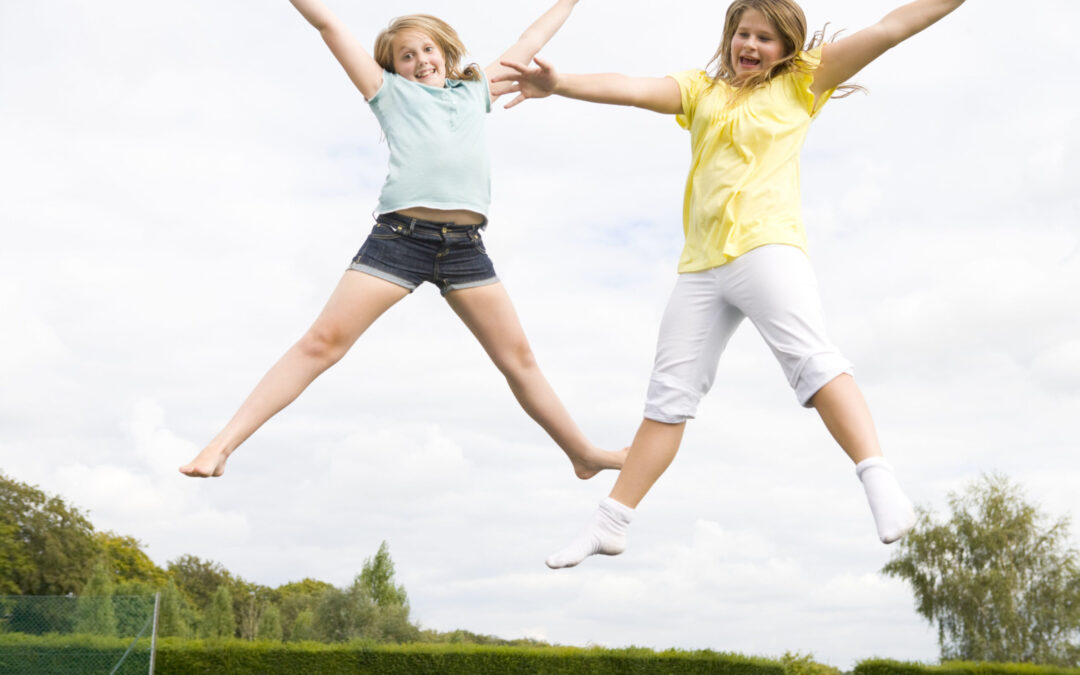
{"x":528,"y":82}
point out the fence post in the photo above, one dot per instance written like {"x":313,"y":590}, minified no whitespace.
{"x":153,"y":633}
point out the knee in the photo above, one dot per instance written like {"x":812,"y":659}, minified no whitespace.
{"x":516,"y":359}
{"x":324,"y":342}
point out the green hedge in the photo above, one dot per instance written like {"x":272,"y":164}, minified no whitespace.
{"x":81,"y":654}
{"x":239,"y":657}
{"x":70,"y":654}
{"x":887,"y":667}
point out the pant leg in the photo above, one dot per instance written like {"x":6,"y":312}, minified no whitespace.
{"x":697,"y":324}
{"x":776,"y":288}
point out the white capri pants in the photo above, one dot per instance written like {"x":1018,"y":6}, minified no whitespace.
{"x":775,"y":287}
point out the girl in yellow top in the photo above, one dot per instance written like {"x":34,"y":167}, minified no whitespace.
{"x":745,"y":253}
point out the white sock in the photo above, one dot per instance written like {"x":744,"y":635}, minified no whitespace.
{"x":893,"y":513}
{"x":605,"y":534}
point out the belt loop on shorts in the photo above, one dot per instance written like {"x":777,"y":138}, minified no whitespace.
{"x":412,"y":225}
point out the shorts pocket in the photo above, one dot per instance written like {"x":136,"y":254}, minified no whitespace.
{"x":384,"y":231}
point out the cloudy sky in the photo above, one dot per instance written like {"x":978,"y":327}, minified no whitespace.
{"x":182,"y":184}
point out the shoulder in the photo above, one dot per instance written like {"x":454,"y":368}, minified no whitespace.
{"x":390,"y":82}
{"x":691,"y":81}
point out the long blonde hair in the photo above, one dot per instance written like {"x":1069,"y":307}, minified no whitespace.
{"x":445,"y":37}
{"x":788,"y":20}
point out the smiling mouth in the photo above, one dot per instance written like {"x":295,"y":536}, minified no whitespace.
{"x":421,"y":74}
{"x":747,"y":62}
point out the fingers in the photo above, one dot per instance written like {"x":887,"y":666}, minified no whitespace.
{"x":511,"y":104}
{"x":519,"y":68}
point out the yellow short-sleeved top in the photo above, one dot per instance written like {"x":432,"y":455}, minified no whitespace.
{"x":743,"y":187}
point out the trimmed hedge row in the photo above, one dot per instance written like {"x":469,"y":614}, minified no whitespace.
{"x":73,"y":654}
{"x":888,"y":667}
{"x":70,"y":654}
{"x":240,"y":658}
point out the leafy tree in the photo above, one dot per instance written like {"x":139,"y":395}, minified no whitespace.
{"x":175,"y":615}
{"x":94,"y":609}
{"x":127,"y":560}
{"x":390,"y":622}
{"x":303,"y":628}
{"x":341,"y":616}
{"x":198,"y":579}
{"x":377,"y":578}
{"x":270,"y":624}
{"x":45,"y":544}
{"x":218,"y":619}
{"x":133,"y":604}
{"x":252,"y":600}
{"x":296,"y":598}
{"x":997,"y":577}
{"x":15,"y":561}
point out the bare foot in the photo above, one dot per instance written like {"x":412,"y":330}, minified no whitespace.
{"x":210,"y":463}
{"x":596,"y":460}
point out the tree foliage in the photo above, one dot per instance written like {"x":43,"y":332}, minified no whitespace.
{"x":218,"y":618}
{"x":94,"y":613}
{"x":50,"y":548}
{"x":127,"y":561}
{"x":997,"y":577}
{"x":377,"y":579}
{"x":45,"y":545}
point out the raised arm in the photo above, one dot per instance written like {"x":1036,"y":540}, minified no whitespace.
{"x":842,"y":59}
{"x":530,"y":42}
{"x":361,"y":68}
{"x":659,"y":94}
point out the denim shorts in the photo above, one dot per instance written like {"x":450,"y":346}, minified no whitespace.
{"x":409,"y":251}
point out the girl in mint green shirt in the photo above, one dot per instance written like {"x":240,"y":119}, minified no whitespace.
{"x":431,"y":210}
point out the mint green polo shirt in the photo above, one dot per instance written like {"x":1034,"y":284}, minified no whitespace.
{"x":438,"y":155}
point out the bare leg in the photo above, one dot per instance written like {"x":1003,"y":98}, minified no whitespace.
{"x":489,"y":314}
{"x":357,"y":301}
{"x":847,"y":417}
{"x":654,"y":446}
{"x":652,"y":451}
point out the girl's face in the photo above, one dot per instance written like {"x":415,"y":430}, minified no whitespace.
{"x":418,"y":58}
{"x":756,"y":45}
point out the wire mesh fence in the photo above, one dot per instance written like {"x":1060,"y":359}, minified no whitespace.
{"x":70,"y":634}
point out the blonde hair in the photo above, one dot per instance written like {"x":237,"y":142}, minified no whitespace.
{"x":787,"y":18}
{"x":453,"y":49}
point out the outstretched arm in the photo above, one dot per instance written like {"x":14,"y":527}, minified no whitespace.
{"x":364,"y":72}
{"x":530,"y":42}
{"x":843,"y":58}
{"x":659,"y":94}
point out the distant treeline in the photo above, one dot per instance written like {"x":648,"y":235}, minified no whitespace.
{"x":48,"y":547}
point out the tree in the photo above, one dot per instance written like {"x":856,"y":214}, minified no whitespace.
{"x":94,"y":608}
{"x":299,"y":599}
{"x":997,"y":577}
{"x":175,"y":616}
{"x":303,"y":628}
{"x":46,"y":544}
{"x":218,"y":619}
{"x":198,"y":579}
{"x":127,"y":560}
{"x":270,"y":624}
{"x":341,"y":616}
{"x":377,"y":577}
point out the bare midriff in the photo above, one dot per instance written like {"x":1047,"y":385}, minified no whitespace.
{"x":456,"y":216}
